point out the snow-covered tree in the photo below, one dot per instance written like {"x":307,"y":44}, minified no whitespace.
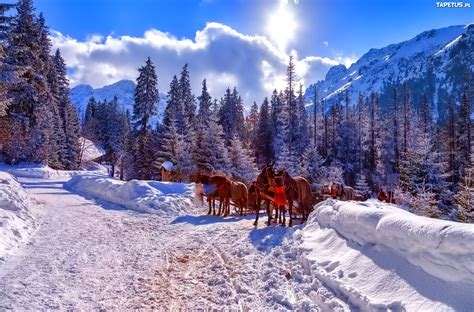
{"x":303,"y":130}
{"x":464,"y":199}
{"x":311,"y":166}
{"x":264,"y":134}
{"x":420,"y":163}
{"x":361,"y":184}
{"x":68,"y":114}
{"x":146,"y":96}
{"x":187,"y":98}
{"x":242,"y":164}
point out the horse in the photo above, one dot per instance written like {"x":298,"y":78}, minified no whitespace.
{"x":297,"y":190}
{"x":258,"y":189}
{"x":343,"y":192}
{"x":215,"y":187}
{"x":386,"y":196}
{"x":239,"y":195}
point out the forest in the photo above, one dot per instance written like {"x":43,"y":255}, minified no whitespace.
{"x":426,"y":163}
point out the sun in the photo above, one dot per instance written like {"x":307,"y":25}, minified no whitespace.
{"x":282,"y":25}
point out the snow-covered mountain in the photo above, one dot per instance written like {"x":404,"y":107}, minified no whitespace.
{"x":123,"y":90}
{"x":434,"y":62}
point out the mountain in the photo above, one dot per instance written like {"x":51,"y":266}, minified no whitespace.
{"x":434,"y":62}
{"x":124,"y":91}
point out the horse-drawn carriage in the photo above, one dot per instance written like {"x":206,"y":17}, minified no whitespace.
{"x":277,"y":189}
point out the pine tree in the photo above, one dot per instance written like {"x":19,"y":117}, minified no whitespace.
{"x":146,"y":96}
{"x":311,"y":166}
{"x":251,"y":128}
{"x":187,"y":98}
{"x":231,"y":115}
{"x":303,"y":130}
{"x":70,"y":119}
{"x":464,"y":199}
{"x":292,"y":108}
{"x":406,"y":116}
{"x":315,"y":117}
{"x":8,"y":74}
{"x":28,"y":109}
{"x":242,"y":164}
{"x":362,"y":185}
{"x":264,"y":135}
{"x":423,"y":201}
{"x":464,"y":128}
{"x":421,"y":163}
{"x":210,"y":153}
{"x":205,"y":105}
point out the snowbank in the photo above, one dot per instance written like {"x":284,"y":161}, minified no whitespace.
{"x":381,"y":257}
{"x":31,"y":170}
{"x":16,"y":221}
{"x":143,"y":196}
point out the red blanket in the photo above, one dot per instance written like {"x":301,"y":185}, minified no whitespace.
{"x":280,"y":196}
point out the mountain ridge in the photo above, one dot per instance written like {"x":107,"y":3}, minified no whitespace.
{"x":433,"y":63}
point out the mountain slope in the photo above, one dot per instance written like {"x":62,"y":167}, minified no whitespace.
{"x":434,"y":62}
{"x":123,"y":89}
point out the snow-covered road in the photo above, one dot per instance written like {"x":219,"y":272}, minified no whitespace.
{"x":89,"y":254}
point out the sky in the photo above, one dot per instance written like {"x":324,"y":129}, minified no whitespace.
{"x":243,"y":43}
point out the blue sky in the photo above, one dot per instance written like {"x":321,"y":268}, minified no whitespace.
{"x":350,"y":27}
{"x":325,"y":32}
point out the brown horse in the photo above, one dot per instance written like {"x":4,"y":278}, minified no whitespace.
{"x":215,"y":187}
{"x":260,"y":190}
{"x":239,"y":195}
{"x":297,"y":190}
{"x":343,"y":192}
{"x":386,"y":197}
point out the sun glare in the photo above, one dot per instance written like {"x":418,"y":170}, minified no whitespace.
{"x":281,"y":25}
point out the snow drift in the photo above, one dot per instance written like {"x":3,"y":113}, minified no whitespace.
{"x":39,"y":171}
{"x":16,"y":220}
{"x":443,"y":249}
{"x":382,"y":257}
{"x":143,"y":196}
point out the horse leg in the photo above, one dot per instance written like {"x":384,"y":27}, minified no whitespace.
{"x":284,"y":215}
{"x":209,"y":200}
{"x":257,"y":210}
{"x":269,"y":213}
{"x":290,"y":210}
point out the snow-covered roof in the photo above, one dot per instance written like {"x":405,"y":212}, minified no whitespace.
{"x":168,"y":165}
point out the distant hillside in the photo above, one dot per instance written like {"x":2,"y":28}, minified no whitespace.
{"x":434,"y":62}
{"x":123,"y":89}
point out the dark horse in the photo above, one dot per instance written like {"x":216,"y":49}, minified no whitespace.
{"x":215,"y":187}
{"x":297,"y":190}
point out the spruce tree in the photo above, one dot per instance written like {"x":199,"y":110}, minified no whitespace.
{"x":242,"y":164}
{"x":264,"y":135}
{"x":303,"y":130}
{"x":146,"y":97}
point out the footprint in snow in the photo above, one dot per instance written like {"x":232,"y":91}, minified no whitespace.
{"x":332,"y":266}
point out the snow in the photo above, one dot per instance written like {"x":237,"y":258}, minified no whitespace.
{"x":142,"y":196}
{"x":89,"y":254}
{"x":16,"y":220}
{"x":382,"y":257}
{"x":124,"y":90}
{"x":168,"y":165}
{"x":33,"y":170}
{"x":98,"y":247}
{"x":90,"y":151}
{"x":409,"y":60}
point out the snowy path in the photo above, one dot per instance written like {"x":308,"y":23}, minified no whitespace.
{"x":88,"y":254}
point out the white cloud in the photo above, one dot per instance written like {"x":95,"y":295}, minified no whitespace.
{"x":219,"y":53}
